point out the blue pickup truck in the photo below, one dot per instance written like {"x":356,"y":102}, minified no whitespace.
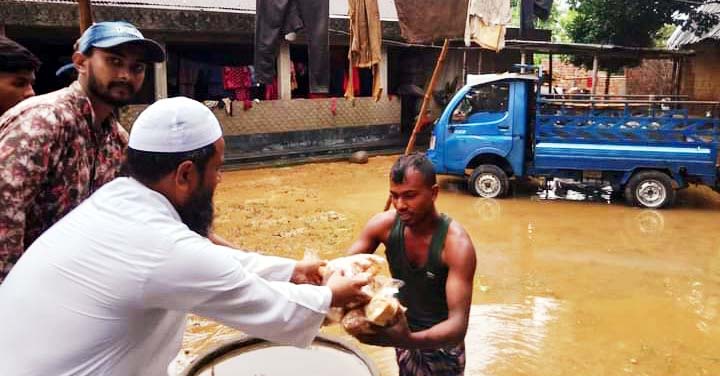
{"x":500,"y":127}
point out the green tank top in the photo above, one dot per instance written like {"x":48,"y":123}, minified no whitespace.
{"x":424,"y":290}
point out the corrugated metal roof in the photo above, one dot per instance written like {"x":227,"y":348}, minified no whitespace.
{"x":680,"y":38}
{"x":338,"y":8}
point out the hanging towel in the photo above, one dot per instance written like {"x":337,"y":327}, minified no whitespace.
{"x":426,"y":21}
{"x":365,"y":43}
{"x":486,"y":21}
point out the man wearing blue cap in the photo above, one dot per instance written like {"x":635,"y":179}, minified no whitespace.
{"x":56,"y":149}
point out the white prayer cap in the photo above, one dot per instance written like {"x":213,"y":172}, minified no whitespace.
{"x":174,"y":125}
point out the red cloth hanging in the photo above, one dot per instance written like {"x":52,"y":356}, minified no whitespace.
{"x":333,"y":106}
{"x":356,"y":82}
{"x":236,"y":78}
{"x":271,"y":90}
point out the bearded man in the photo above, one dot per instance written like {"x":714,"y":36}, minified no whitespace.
{"x":109,"y":286}
{"x":58,"y":148}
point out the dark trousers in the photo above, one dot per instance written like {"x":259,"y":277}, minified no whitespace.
{"x":274,"y":18}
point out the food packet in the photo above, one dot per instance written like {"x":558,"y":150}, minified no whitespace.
{"x":383,"y":308}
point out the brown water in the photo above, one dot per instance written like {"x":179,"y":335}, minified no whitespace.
{"x":561,"y":288}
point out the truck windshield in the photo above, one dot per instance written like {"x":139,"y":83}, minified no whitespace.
{"x":481,"y":103}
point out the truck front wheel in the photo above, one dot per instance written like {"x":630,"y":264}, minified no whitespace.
{"x":488,"y":181}
{"x":650,"y":189}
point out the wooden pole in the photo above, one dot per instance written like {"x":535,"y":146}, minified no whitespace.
{"x":426,"y":100}
{"x":679,"y":77}
{"x":284,"y":71}
{"x":550,"y":73}
{"x":85,"y":13}
{"x":675,"y":83}
{"x":594,"y":74}
{"x":161,"y":87}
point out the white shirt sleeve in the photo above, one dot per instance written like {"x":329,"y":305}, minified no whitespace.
{"x":271,"y":268}
{"x":211,"y":281}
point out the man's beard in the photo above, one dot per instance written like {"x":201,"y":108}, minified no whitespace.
{"x":104,"y":94}
{"x":198,"y":212}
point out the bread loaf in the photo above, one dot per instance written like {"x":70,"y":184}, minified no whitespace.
{"x":383,"y":308}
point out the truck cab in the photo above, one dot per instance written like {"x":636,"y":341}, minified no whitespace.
{"x":484,"y":132}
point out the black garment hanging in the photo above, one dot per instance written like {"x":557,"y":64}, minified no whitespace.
{"x":542,"y":9}
{"x":274,"y":19}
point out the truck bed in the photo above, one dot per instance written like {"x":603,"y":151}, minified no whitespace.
{"x":627,"y":134}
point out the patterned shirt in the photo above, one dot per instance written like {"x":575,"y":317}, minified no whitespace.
{"x":51,"y":159}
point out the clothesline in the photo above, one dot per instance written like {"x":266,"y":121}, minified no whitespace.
{"x":405,"y":44}
{"x":396,"y":43}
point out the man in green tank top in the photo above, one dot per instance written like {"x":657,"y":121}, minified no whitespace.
{"x":435,"y":258}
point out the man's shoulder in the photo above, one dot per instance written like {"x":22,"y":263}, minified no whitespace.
{"x":48,"y":107}
{"x":383,"y":220}
{"x":53,"y":99}
{"x":458,"y":239}
{"x":455,"y":229}
{"x":143,"y":215}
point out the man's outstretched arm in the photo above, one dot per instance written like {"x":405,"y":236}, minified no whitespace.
{"x":374,"y":233}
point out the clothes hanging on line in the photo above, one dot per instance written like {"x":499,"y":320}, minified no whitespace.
{"x":274,"y":19}
{"x":365,"y":42}
{"x":542,"y":9}
{"x":486,"y":22}
{"x":427,"y":21}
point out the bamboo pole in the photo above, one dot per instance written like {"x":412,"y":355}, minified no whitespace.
{"x":595,"y":74}
{"x":85,"y":13}
{"x":426,"y":100}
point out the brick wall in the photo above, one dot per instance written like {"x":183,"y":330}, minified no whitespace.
{"x":700,"y":73}
{"x":567,"y":76}
{"x":651,"y":77}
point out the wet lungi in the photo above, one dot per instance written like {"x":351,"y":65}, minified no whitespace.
{"x":447,"y":361}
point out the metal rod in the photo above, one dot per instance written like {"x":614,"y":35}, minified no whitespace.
{"x":674,"y":75}
{"x":480,"y":55}
{"x":609,"y":101}
{"x":617,"y":95}
{"x":679,"y":75}
{"x":464,"y":69}
{"x":550,"y":73}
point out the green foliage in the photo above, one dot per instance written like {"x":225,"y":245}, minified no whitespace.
{"x":634,"y":23}
{"x":515,"y":7}
{"x":558,"y":22}
{"x":662,"y":36}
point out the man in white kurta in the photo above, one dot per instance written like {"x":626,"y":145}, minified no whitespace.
{"x":106,"y":290}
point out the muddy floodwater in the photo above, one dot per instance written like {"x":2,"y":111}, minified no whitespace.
{"x":561,"y":288}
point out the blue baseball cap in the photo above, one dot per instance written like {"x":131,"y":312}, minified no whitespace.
{"x":115,"y":33}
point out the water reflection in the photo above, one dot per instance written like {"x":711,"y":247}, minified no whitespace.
{"x":488,"y":209}
{"x":508,"y":337}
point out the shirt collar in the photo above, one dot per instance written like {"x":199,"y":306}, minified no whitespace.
{"x":154,"y":197}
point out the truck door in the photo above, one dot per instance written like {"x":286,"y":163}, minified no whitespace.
{"x":481,"y":122}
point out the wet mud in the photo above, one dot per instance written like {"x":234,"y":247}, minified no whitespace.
{"x":561,"y":288}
